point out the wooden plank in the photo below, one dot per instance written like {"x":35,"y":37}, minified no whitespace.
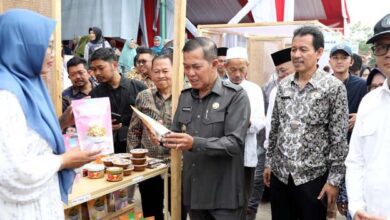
{"x":215,"y":27}
{"x":261,"y":66}
{"x":124,"y":210}
{"x":56,"y":78}
{"x":178,"y":81}
{"x":86,"y":189}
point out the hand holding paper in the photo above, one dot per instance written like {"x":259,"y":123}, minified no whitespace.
{"x":154,"y":126}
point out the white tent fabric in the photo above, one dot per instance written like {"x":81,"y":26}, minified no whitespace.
{"x":116,"y":18}
{"x":170,"y":19}
{"x":142,"y":24}
{"x":264,"y":11}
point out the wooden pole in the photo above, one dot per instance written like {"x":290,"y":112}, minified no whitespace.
{"x":178,"y":80}
{"x":56,"y":79}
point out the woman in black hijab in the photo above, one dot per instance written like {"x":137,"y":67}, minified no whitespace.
{"x":96,"y":41}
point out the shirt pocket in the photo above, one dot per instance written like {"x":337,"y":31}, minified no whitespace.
{"x":367,"y":134}
{"x":213,"y":122}
{"x":184,"y":120}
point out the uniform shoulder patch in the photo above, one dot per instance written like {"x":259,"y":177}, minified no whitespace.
{"x":231,"y":85}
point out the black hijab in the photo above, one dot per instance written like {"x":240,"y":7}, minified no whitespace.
{"x":98,"y":34}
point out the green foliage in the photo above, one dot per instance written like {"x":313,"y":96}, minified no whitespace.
{"x":360,"y":33}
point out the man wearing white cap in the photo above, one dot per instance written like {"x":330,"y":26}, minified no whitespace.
{"x":237,"y":70}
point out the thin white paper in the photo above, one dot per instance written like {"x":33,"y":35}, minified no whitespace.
{"x":153,"y":125}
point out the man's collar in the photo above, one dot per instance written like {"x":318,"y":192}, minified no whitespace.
{"x":217,"y":88}
{"x":76,"y":90}
{"x":318,"y":74}
{"x":156,"y":92}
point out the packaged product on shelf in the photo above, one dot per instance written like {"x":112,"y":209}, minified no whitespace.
{"x":73,"y":213}
{"x":97,"y":208}
{"x":93,"y":123}
{"x":117,"y":200}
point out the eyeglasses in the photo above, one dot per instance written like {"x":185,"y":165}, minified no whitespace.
{"x":381,"y":49}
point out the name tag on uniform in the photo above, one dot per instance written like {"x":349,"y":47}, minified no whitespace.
{"x":186,"y":109}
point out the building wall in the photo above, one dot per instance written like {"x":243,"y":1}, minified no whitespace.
{"x":41,"y":6}
{"x":47,"y":8}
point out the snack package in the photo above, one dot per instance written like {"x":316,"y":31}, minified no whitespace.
{"x":120,"y":199}
{"x":93,"y":123}
{"x":97,"y":208}
{"x":73,"y":213}
{"x":117,"y":200}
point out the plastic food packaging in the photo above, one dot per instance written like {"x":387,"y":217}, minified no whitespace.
{"x":93,"y":123}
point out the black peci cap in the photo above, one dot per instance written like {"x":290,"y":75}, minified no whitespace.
{"x":222,"y":51}
{"x":281,"y":56}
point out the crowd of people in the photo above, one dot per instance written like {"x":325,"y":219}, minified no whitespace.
{"x":316,"y":139}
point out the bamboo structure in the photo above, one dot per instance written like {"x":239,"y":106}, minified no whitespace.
{"x":262,"y":39}
{"x":50,"y":8}
{"x":177,"y":85}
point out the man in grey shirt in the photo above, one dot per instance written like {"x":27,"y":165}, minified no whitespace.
{"x":213,"y":118}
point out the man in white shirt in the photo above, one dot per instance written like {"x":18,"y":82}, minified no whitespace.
{"x":368,"y":173}
{"x":237,"y":70}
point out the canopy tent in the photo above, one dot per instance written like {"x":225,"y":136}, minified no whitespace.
{"x":124,"y":18}
{"x":263,"y":38}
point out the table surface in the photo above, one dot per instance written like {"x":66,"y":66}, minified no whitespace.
{"x":85,"y":189}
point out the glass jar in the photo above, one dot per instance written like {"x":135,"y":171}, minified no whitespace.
{"x":114,"y":174}
{"x":95,"y":171}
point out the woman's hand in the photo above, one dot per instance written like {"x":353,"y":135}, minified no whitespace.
{"x":75,"y":158}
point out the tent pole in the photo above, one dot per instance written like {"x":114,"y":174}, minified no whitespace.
{"x":163,"y":20}
{"x":177,"y":85}
{"x":57,"y":76}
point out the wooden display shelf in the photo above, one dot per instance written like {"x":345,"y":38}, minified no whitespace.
{"x":124,"y":210}
{"x":86,"y":189}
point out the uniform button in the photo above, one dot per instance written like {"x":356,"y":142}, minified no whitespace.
{"x":198,"y":116}
{"x":196,"y":132}
{"x":193,"y":180}
{"x":193,"y":164}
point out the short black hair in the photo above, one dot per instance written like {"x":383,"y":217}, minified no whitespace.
{"x":370,"y":77}
{"x":357,"y":63}
{"x":135,"y":60}
{"x":163,"y":56}
{"x":142,"y":50}
{"x":106,"y":54}
{"x":208,"y":46}
{"x":318,"y":37}
{"x":75,"y":61}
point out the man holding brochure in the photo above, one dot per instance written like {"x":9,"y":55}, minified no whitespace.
{"x":211,"y":122}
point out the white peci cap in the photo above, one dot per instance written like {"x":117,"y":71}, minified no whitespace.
{"x":237,"y":53}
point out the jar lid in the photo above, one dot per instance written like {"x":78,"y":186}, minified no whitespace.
{"x":114,"y":170}
{"x":95,"y":167}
